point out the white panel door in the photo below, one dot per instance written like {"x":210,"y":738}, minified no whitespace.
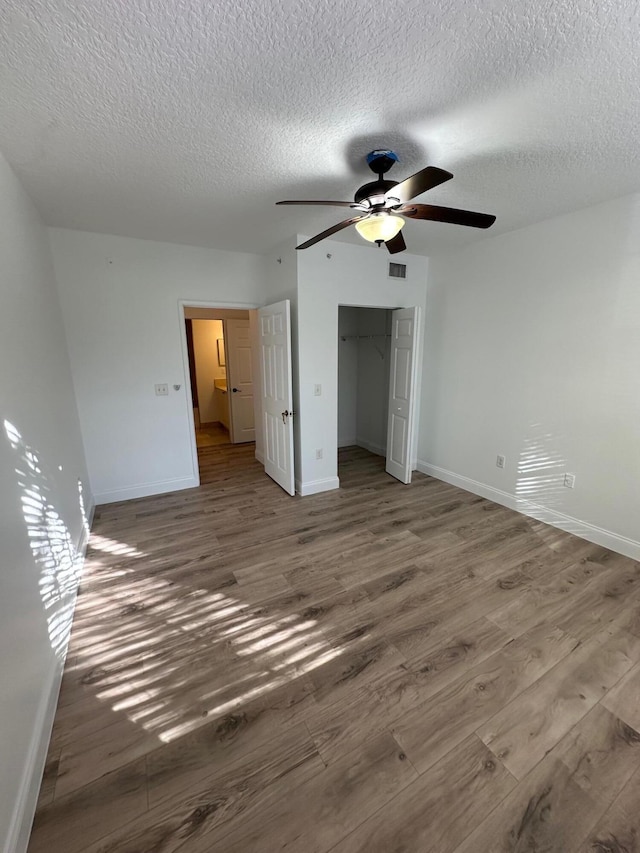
{"x":274,"y":327}
{"x":240,"y":380}
{"x":402,"y":379}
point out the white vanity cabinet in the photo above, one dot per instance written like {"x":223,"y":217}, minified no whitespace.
{"x":222,"y":401}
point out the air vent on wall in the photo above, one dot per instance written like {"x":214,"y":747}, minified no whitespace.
{"x":397,"y":270}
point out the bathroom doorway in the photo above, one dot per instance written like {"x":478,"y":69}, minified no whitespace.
{"x":220,"y":372}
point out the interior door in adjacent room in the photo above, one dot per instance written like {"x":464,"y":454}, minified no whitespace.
{"x":239,"y":380}
{"x":274,"y":328}
{"x":402,"y":392}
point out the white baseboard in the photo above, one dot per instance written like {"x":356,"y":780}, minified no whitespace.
{"x":144,"y":490}
{"x":260,"y":457}
{"x":590,"y":532}
{"x":17,"y":838}
{"x":314,"y":487}
{"x":83,"y":539}
{"x":347,"y":442}
{"x":19,"y":830}
{"x":372,"y":448}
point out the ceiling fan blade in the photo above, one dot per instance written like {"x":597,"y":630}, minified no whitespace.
{"x":425,"y":179}
{"x":330,"y":231}
{"x":331,"y":203}
{"x":448,"y":214}
{"x":396,"y":244}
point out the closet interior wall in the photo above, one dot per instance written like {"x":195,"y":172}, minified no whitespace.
{"x":364,"y":345}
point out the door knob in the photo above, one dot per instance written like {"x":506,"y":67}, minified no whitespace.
{"x":235,"y":390}
{"x":285,"y":415}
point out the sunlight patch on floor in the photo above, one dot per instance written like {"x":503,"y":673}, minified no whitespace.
{"x":112,"y":546}
{"x":146,"y":619}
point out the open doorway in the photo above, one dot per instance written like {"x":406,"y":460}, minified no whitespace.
{"x":207,"y":370}
{"x":220,"y":361}
{"x":364,"y":346}
{"x":377,"y":384}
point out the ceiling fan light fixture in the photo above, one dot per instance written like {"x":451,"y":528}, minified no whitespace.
{"x":380,"y":227}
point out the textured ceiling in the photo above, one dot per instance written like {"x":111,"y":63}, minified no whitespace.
{"x":185,"y":120}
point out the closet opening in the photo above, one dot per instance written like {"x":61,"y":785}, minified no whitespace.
{"x":364,"y":349}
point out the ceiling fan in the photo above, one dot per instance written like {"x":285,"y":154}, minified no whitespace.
{"x":382,"y":204}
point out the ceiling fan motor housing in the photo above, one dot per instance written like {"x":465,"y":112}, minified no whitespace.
{"x":374,"y":191}
{"x":379,"y":161}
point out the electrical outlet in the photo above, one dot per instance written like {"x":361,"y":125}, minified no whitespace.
{"x":569,"y":480}
{"x":501,"y":461}
{"x":162,"y":390}
{"x":317,"y":390}
{"x":319,"y":453}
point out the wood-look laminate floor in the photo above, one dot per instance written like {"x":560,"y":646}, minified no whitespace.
{"x":380,"y":668}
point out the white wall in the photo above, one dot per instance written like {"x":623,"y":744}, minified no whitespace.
{"x":125,"y":331}
{"x":206,"y":334}
{"x":332,"y":274}
{"x":373,"y":379}
{"x":41,"y":523}
{"x":533,"y":351}
{"x":120,"y":300}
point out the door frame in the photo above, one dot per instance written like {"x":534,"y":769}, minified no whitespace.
{"x":198,"y":303}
